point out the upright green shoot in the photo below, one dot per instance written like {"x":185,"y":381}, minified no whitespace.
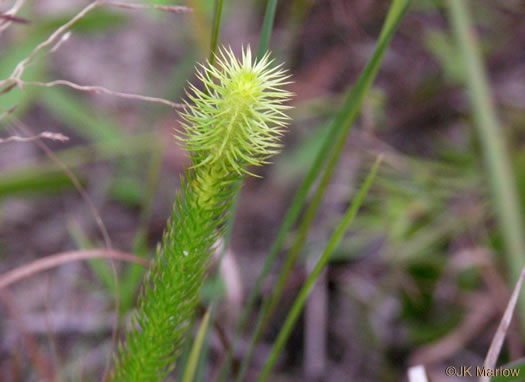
{"x":266,"y":31}
{"x":499,"y":169}
{"x":299,"y":302}
{"x":217,"y":13}
{"x":235,"y":122}
{"x":191,"y":365}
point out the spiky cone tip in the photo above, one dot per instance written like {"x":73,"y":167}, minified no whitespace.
{"x":237,"y":118}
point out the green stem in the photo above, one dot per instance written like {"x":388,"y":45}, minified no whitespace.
{"x":299,"y":302}
{"x":191,"y":365}
{"x":266,"y":31}
{"x":497,"y":161}
{"x":217,"y":13}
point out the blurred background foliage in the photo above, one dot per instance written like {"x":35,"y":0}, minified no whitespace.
{"x":420,"y":278}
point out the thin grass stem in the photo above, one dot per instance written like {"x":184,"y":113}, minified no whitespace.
{"x":299,"y":302}
{"x":266,"y":31}
{"x":217,"y":13}
{"x":191,"y":365}
{"x":490,"y":130}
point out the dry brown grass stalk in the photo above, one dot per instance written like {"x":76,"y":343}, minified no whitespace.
{"x":43,"y":135}
{"x":102,"y":90}
{"x":55,"y":260}
{"x":59,"y":36}
{"x":4,"y":23}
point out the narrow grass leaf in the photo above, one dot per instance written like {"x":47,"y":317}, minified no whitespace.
{"x":217,"y":13}
{"x":299,"y":302}
{"x":195,"y":353}
{"x":499,"y":169}
{"x":266,"y":31}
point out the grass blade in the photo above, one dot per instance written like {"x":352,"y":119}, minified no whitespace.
{"x":217,"y":13}
{"x":299,"y":302}
{"x":497,"y":160}
{"x":191,"y":365}
{"x":266,"y":31}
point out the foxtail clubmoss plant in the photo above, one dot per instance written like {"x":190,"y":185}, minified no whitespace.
{"x":233,"y":123}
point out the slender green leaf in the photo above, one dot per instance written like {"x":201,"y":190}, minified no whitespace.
{"x":34,"y":180}
{"x":217,"y":12}
{"x":499,"y":169}
{"x":266,"y":31}
{"x":299,"y":302}
{"x":191,"y":365}
{"x":48,"y":177}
